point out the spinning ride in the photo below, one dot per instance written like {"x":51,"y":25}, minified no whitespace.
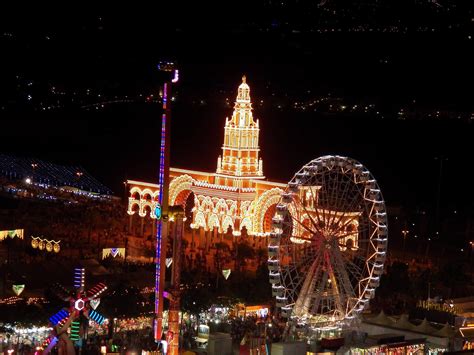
{"x":328,"y":244}
{"x":82,"y":305}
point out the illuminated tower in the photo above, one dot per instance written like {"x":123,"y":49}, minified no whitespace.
{"x":240,"y":163}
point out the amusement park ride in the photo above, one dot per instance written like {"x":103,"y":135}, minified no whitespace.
{"x":162,"y":211}
{"x":328,"y":246}
{"x":82,"y":305}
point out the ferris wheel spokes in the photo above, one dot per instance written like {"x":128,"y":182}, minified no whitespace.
{"x":302,"y":303}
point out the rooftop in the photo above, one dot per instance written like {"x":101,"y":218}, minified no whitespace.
{"x":39,"y":172}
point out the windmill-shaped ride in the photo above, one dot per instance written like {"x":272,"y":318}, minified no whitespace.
{"x":80,"y":303}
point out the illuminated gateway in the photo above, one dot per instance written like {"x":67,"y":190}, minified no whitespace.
{"x":236,"y":196}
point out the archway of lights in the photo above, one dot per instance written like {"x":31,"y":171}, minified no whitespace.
{"x":236,"y":196}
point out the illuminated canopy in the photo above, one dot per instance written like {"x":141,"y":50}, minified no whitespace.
{"x":18,"y":233}
{"x":114,"y":252}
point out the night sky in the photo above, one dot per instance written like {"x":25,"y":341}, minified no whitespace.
{"x":285,"y":58}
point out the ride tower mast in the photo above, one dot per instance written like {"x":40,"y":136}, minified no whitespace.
{"x":162,"y":207}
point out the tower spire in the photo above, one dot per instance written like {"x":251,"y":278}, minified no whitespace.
{"x":240,"y":150}
{"x":243,"y":95}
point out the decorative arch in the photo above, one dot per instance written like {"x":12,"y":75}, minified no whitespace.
{"x":268,"y":199}
{"x":231,"y":207}
{"x":147,"y":192}
{"x":135,"y":193}
{"x":207,"y":205}
{"x":179,"y":189}
{"x":247,"y":223}
{"x":199,"y":221}
{"x":214,"y":201}
{"x":198,"y":202}
{"x":213,"y":222}
{"x":221,"y":207}
{"x":267,"y":218}
{"x":226,"y":223}
{"x":245,"y":207}
{"x":133,"y":206}
{"x":146,"y":209}
{"x":135,"y":189}
{"x":182,"y":198}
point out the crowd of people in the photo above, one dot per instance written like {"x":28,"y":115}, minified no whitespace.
{"x":121,"y":342}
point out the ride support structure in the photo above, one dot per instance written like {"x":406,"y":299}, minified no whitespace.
{"x":163,"y":181}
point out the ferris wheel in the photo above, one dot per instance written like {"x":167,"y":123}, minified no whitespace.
{"x":328,"y":244}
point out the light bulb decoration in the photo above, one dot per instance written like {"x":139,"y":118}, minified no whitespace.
{"x":49,"y":245}
{"x":58,"y":317}
{"x":176,"y":76}
{"x":13,"y":233}
{"x":226,"y":273}
{"x":79,"y":278}
{"x":95,"y":303}
{"x":75,"y":328}
{"x":18,"y":289}
{"x":59,"y":331}
{"x":48,"y":344}
{"x":106,"y":252}
{"x":96,"y":317}
{"x":81,"y":307}
{"x":79,"y":304}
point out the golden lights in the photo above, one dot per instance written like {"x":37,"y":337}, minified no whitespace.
{"x":42,"y":244}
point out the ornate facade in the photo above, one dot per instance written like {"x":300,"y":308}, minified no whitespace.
{"x":236,"y":196}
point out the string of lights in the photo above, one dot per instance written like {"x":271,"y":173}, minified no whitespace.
{"x":45,"y":244}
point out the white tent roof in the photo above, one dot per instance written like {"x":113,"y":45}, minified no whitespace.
{"x":381,"y":319}
{"x":446,"y":331}
{"x":425,"y":327}
{"x":404,"y":323}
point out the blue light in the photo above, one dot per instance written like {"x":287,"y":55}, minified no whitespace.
{"x":158,"y":211}
{"x":58,"y":317}
{"x":79,"y":277}
{"x":96,"y":317}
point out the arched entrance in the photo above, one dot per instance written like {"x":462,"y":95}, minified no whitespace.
{"x":267,"y":218}
{"x":179,"y":190}
{"x":265,"y":210}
